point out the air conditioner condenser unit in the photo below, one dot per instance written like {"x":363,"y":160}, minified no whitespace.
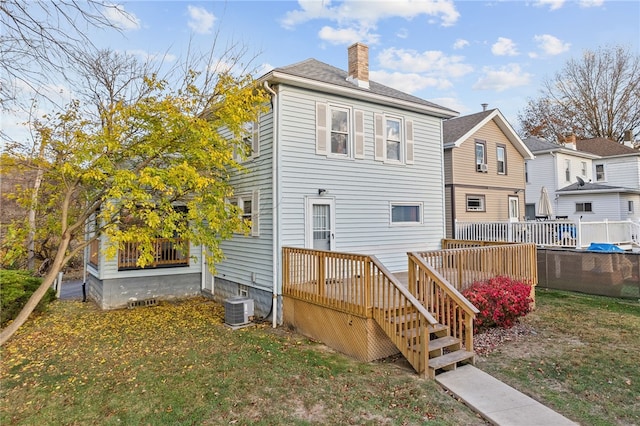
{"x":238,"y":311}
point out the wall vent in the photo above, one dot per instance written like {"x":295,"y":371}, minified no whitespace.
{"x":238,"y":311}
{"x":137,"y":303}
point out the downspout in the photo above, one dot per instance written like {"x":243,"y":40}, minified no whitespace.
{"x":275,"y":198}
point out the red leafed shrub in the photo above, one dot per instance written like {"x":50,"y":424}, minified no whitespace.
{"x":500,"y":300}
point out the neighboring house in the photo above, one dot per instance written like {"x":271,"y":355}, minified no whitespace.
{"x":338,"y":162}
{"x":576,"y":180}
{"x":484,"y":166}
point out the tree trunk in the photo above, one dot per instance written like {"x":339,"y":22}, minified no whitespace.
{"x":35,"y":298}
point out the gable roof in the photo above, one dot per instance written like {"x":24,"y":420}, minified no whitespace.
{"x":317,"y":75}
{"x":457,"y":130}
{"x":590,"y":187}
{"x":605,"y":147}
{"x":542,"y":146}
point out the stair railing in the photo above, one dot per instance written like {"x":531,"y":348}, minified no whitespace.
{"x":401,"y":315}
{"x":448,"y":306}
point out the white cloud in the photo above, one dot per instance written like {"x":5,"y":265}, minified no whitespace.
{"x":504,"y":47}
{"x":434,"y":62}
{"x":368,"y":13}
{"x":550,"y":45}
{"x":408,"y":82}
{"x":452,"y":103}
{"x":501,"y":79}
{"x":200,"y":20}
{"x":553,"y":4}
{"x":402,"y":33}
{"x":591,"y":3}
{"x":460,"y":43}
{"x":119,"y":17}
{"x":347,"y":35}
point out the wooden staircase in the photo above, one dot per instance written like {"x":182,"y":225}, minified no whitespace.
{"x":445,"y":351}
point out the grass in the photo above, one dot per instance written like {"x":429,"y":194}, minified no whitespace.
{"x":177,"y":364}
{"x":583,"y":360}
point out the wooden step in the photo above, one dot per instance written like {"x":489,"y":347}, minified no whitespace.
{"x":447,"y":342}
{"x":436,"y":328}
{"x":450,"y":359}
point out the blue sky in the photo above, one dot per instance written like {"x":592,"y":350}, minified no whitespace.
{"x":458,"y":54}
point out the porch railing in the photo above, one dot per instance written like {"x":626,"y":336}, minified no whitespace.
{"x":167,"y":252}
{"x":606,"y":231}
{"x":461,"y":267}
{"x":447,"y":305}
{"x":556,"y":233}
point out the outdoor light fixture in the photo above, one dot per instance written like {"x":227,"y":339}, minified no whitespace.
{"x":321,"y":191}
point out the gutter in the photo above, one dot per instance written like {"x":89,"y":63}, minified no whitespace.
{"x":275,"y":199}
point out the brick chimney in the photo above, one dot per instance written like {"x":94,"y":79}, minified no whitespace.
{"x":628,"y":139}
{"x":359,"y":65}
{"x":570,"y":141}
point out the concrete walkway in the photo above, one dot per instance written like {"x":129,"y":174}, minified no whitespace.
{"x":497,"y":402}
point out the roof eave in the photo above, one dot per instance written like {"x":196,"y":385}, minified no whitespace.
{"x":293,"y":80}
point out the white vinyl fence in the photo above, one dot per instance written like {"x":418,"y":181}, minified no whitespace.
{"x":552,"y":233}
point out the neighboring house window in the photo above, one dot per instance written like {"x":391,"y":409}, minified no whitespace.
{"x":248,"y":204}
{"x":475,"y":203}
{"x":340,"y":126}
{"x":584,"y":169}
{"x":501,"y":155}
{"x":339,"y":131}
{"x":567,"y":170}
{"x":393,"y":139}
{"x":406,"y":213}
{"x":526,"y":172}
{"x":630,"y":206}
{"x":599,"y":172}
{"x":583,"y":207}
{"x":481,"y":156}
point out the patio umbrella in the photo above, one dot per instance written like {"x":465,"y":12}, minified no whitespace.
{"x":544,"y":204}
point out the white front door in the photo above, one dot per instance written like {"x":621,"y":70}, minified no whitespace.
{"x":514,"y":209}
{"x":320,"y":223}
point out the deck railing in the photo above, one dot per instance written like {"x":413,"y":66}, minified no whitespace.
{"x":447,"y":305}
{"x":361,"y":285}
{"x":463,"y":266}
{"x":167,"y":252}
{"x":552,"y":233}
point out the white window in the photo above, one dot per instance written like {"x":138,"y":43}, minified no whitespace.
{"x":249,"y":209}
{"x":630,"y":206}
{"x":475,"y":203}
{"x":583,"y":208}
{"x":599,"y":172}
{"x":250,"y":147}
{"x":406,"y":213}
{"x":339,"y":131}
{"x":481,"y":156}
{"x":583,"y":169}
{"x":501,"y":154}
{"x":567,"y":170}
{"x":393,"y":139}
{"x":526,"y":171}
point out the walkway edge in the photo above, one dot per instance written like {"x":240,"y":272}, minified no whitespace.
{"x":496,"y":401}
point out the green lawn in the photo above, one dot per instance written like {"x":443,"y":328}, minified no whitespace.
{"x":178,"y":364}
{"x":583,"y":360}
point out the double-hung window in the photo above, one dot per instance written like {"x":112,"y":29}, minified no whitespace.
{"x":250,"y":147}
{"x":481,"y":156}
{"x":248,"y":204}
{"x":600,"y":172}
{"x":393,"y":139}
{"x":567,"y":170}
{"x":583,"y":169}
{"x":501,"y":155}
{"x":340,"y":131}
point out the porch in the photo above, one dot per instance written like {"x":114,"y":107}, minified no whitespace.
{"x":355,"y":305}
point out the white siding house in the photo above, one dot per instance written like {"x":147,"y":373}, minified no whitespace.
{"x":343,"y":164}
{"x":583,"y":184}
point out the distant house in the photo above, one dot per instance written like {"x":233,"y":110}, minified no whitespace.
{"x":592,"y":180}
{"x":484,"y":166}
{"x":338,"y":162}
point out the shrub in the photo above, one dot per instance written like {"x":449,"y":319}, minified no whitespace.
{"x":17,"y":287}
{"x":500,"y":300}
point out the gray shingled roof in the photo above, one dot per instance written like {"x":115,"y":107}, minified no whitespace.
{"x":454,"y":128}
{"x":319,"y":71}
{"x":588,"y":186}
{"x":536,"y":144}
{"x":604,"y":147}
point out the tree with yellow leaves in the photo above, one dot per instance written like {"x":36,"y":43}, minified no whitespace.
{"x":153,"y":165}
